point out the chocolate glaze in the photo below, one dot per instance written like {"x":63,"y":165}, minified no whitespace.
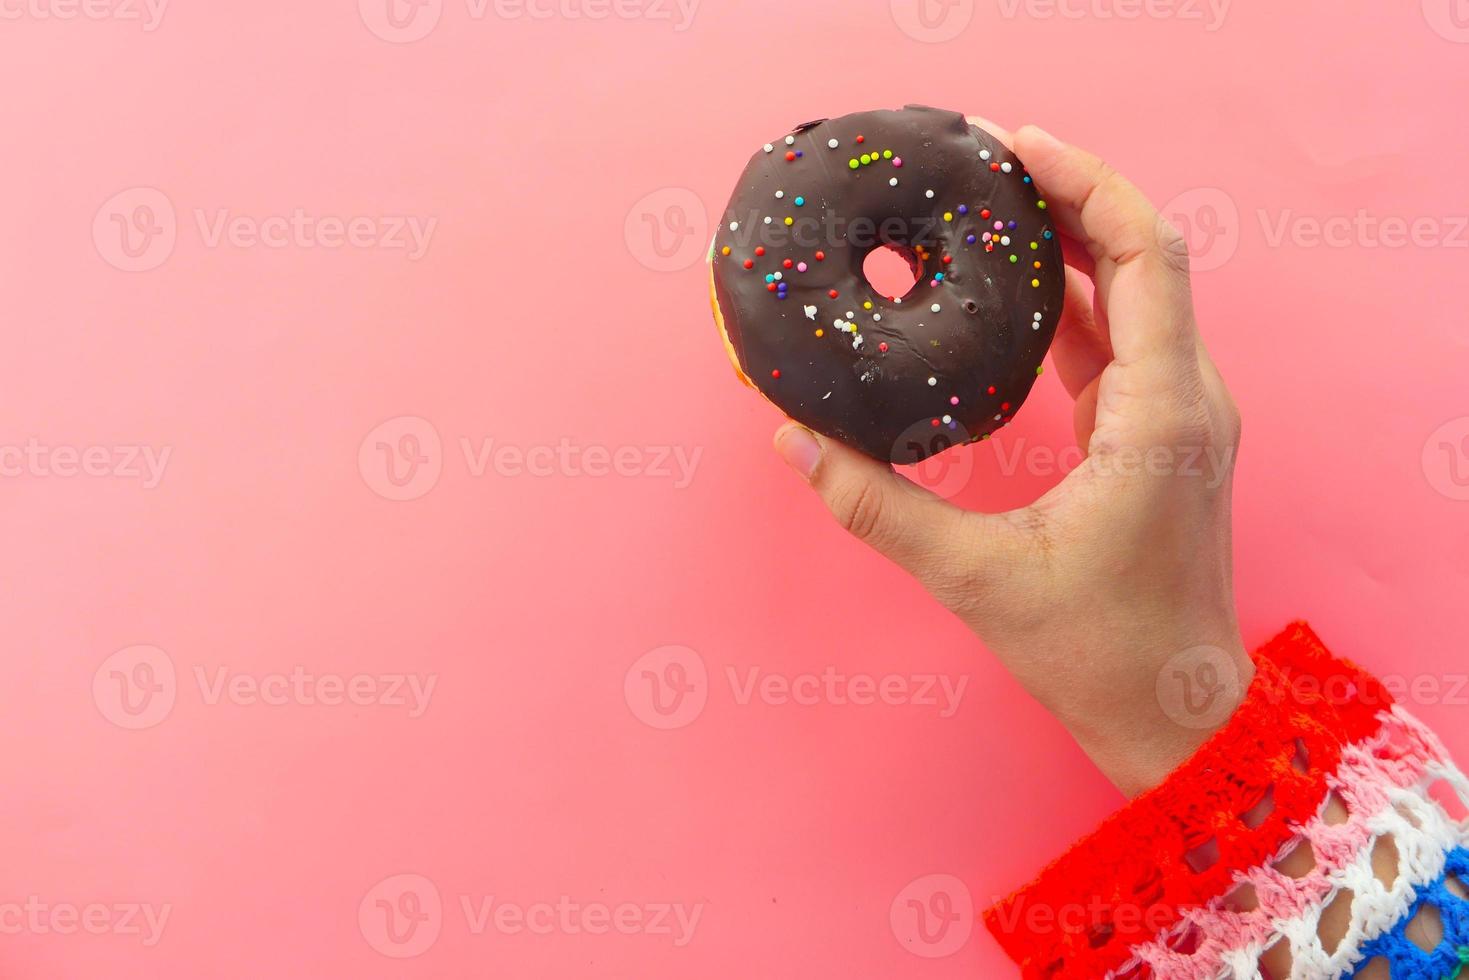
{"x":983,"y":346}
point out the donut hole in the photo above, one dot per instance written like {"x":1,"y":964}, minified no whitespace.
{"x":892,"y":270}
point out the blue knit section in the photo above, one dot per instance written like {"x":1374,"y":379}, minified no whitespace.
{"x":1447,"y":959}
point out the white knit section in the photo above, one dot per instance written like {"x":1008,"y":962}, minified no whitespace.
{"x":1376,"y":907}
{"x":1298,"y":905}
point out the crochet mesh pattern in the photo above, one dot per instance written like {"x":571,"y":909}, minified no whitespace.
{"x":1421,"y":835}
{"x":1381,"y":783}
{"x":1406,"y":959}
{"x":1232,"y":806}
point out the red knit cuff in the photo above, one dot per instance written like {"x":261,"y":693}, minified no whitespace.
{"x":1227,"y":808}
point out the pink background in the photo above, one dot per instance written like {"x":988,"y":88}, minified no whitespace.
{"x":549,"y":151}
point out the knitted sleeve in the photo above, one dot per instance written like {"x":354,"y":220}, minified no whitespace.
{"x":1191,"y":879}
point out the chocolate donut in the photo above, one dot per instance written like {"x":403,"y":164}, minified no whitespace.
{"x":899,"y":378}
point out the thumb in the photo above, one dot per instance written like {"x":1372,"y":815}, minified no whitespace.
{"x":923,"y":533}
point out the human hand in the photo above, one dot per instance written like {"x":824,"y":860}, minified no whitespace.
{"x":1090,"y":593}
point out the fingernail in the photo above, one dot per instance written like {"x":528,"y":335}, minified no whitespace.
{"x":799,"y":448}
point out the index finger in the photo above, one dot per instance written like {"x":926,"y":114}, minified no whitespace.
{"x":1141,"y":261}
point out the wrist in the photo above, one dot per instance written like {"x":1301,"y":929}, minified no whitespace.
{"x":1149,"y":718}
